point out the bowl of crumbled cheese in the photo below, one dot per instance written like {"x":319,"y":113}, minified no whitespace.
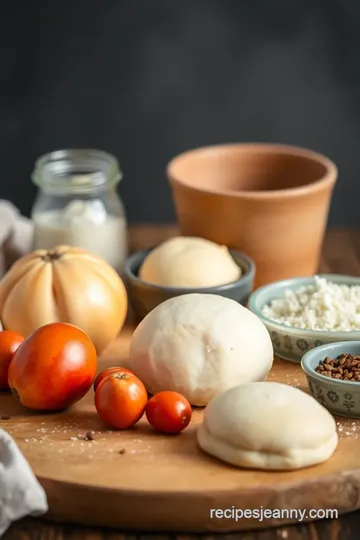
{"x":303,"y":313}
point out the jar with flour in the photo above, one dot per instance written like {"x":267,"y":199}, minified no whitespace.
{"x":78,"y":204}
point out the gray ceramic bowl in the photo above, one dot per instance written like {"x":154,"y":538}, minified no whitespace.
{"x":291,"y":343}
{"x":339,"y":397}
{"x":144,"y":297}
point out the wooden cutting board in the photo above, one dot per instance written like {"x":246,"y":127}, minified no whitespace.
{"x":142,"y":480}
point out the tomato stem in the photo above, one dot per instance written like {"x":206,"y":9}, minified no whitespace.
{"x":120,"y":375}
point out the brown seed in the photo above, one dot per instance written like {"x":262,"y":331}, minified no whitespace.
{"x":90,"y":436}
{"x":344,"y":367}
{"x":5,"y":417}
{"x":122,"y":451}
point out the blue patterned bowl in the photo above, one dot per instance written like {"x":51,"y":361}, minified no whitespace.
{"x":292,"y":343}
{"x":339,"y":397}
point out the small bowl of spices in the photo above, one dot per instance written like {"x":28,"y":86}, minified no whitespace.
{"x":303,"y":313}
{"x":333,"y":376}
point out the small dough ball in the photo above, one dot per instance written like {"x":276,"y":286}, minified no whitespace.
{"x":268,"y":425}
{"x":189,"y":262}
{"x":200,"y":345}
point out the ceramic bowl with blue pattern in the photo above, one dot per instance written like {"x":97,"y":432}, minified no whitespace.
{"x":341,"y":398}
{"x":292,"y":343}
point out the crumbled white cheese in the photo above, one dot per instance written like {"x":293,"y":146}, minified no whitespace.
{"x":321,"y":306}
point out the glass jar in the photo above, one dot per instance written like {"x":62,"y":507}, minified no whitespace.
{"x":78,"y":205}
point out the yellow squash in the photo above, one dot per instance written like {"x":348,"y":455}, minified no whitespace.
{"x":66,"y":284}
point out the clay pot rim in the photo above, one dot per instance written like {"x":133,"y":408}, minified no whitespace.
{"x":329,"y":179}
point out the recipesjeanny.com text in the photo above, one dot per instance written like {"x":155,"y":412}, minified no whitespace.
{"x":261,"y":513}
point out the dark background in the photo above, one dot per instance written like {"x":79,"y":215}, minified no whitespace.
{"x":148,"y":79}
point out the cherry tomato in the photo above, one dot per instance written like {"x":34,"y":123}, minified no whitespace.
{"x":9,"y":343}
{"x":120,"y":400}
{"x":107,"y":372}
{"x":53,"y":368}
{"x":168,"y":412}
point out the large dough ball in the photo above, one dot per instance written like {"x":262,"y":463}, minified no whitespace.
{"x":189,"y":262}
{"x":268,"y":425}
{"x":200,"y":345}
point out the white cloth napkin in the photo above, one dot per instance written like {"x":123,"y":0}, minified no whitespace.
{"x":20,"y":492}
{"x":16,"y":235}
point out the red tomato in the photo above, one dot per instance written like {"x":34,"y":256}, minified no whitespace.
{"x":168,"y":412}
{"x":9,"y":343}
{"x":120,"y":400}
{"x":107,"y":372}
{"x":54,"y":367}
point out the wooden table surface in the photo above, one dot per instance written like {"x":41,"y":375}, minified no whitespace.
{"x":341,"y":254}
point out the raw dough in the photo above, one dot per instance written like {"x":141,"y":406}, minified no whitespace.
{"x":189,"y":262}
{"x":268,"y":425}
{"x":200,"y":345}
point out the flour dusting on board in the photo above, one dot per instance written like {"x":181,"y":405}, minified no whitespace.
{"x":68,"y":439}
{"x":348,"y":428}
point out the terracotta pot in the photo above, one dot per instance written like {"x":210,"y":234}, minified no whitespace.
{"x":269,"y":201}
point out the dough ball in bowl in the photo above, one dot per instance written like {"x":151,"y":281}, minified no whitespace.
{"x":200,"y":345}
{"x":267,"y":425}
{"x":190,"y":263}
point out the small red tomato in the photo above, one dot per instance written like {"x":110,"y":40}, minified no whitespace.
{"x":9,"y":343}
{"x":120,"y":400}
{"x":168,"y":412}
{"x":106,"y":372}
{"x":53,"y":368}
